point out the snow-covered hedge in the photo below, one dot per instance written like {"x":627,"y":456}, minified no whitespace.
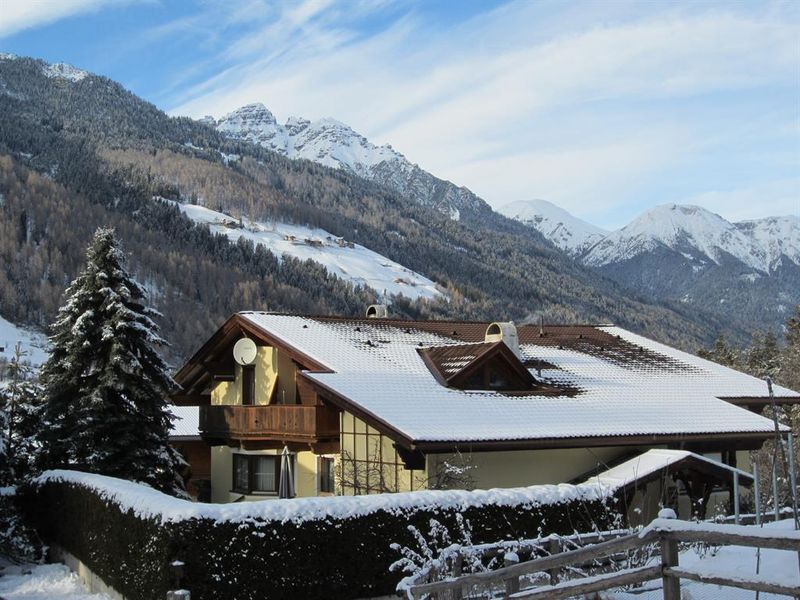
{"x":303,"y":548}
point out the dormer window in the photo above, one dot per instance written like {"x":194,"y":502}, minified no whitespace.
{"x":489,"y":366}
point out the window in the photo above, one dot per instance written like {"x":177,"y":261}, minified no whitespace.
{"x":325,"y":471}
{"x":248,"y":385}
{"x":265,"y":473}
{"x":241,"y":473}
{"x":259,"y":474}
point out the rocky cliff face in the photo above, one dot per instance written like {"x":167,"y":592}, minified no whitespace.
{"x":332,"y":143}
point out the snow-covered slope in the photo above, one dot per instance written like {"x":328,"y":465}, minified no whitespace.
{"x":349,"y":261}
{"x":33,"y":342}
{"x":566,"y":231}
{"x":333,"y":144}
{"x":64,"y":71}
{"x":703,"y":236}
{"x":775,"y":237}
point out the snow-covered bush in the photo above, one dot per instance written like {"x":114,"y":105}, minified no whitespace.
{"x":129,"y":533}
{"x":437,"y":551}
{"x":18,"y":542}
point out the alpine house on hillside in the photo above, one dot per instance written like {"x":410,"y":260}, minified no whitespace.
{"x":377,"y":404}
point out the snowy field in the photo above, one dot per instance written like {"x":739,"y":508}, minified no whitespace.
{"x":357,"y":264}
{"x":33,"y":342}
{"x":730,"y":561}
{"x":43,"y":582}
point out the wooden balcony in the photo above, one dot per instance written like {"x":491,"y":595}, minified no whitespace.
{"x":272,"y":425}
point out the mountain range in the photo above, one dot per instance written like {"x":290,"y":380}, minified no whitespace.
{"x":748,"y":270}
{"x":746,"y":273}
{"x":331,"y":143}
{"x":79,"y":151}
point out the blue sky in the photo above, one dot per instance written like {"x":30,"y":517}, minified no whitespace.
{"x":604,"y":108}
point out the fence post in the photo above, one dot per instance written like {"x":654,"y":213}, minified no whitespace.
{"x":176,"y":568}
{"x":554,"y":547}
{"x":736,"y":496}
{"x":757,"y":493}
{"x":775,"y":499}
{"x":433,"y":575}
{"x":458,"y":565}
{"x":512,"y":584}
{"x":793,"y":478}
{"x":669,"y":558}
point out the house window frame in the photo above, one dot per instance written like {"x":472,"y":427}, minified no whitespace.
{"x":326,"y":475}
{"x":248,"y":385}
{"x":250,"y":461}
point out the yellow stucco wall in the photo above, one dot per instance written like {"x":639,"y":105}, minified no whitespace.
{"x":287,"y":389}
{"x":528,"y":467}
{"x":221,"y":474}
{"x":305,"y":476}
{"x":268,"y":370}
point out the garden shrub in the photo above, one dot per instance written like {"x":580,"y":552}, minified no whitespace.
{"x":243,"y":552}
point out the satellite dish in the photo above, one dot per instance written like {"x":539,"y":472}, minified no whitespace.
{"x":244,"y":351}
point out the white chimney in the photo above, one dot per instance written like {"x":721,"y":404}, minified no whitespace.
{"x":504,"y":332}
{"x":378,"y":311}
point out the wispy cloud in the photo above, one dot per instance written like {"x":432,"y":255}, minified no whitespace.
{"x":586,"y":116}
{"x":19,"y":15}
{"x":779,"y":197}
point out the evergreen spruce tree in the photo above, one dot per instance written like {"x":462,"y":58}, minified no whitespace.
{"x":722,"y":353}
{"x":105,"y":385}
{"x":6,"y":478}
{"x":23,"y":402}
{"x":790,"y":372}
{"x":18,"y":542}
{"x":764,"y":356}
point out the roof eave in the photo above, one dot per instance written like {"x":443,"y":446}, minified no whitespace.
{"x":751,"y":438}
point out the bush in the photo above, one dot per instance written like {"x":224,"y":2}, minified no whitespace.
{"x":18,"y":542}
{"x":308,"y":548}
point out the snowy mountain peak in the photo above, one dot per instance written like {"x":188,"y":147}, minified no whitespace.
{"x":335,"y":144}
{"x":701,"y":235}
{"x":64,"y":71}
{"x":254,"y":113}
{"x":777,"y":236}
{"x":8,"y":56}
{"x":566,"y":231}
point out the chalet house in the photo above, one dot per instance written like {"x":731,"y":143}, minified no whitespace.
{"x":376,"y":404}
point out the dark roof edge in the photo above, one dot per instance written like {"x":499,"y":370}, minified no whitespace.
{"x":747,"y":438}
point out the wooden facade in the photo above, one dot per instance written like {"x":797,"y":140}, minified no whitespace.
{"x":279,"y":423}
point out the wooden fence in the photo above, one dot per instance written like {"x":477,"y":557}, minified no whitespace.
{"x":666,"y":534}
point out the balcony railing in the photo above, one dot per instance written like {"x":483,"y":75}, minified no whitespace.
{"x":290,"y":422}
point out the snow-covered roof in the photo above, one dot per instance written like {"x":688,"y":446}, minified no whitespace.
{"x":187,"y":424}
{"x":627,"y":385}
{"x":655,"y":461}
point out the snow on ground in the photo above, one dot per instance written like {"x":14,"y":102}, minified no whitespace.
{"x":357,"y":264}
{"x":43,"y":582}
{"x":780,"y":566}
{"x":33,"y":342}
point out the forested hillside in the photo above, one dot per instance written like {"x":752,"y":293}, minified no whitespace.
{"x":83,"y":153}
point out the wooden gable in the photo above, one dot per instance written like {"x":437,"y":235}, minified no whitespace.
{"x":487,"y":366}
